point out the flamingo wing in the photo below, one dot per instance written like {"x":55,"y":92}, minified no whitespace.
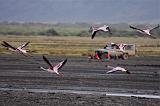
{"x":91,"y":28}
{"x":60,"y":65}
{"x":4,"y":45}
{"x":8,"y":45}
{"x":109,"y":30}
{"x":47,"y":61}
{"x":94,"y":33}
{"x":24,"y":45}
{"x":155,"y":27}
{"x":152,"y":37}
{"x":136,"y":28}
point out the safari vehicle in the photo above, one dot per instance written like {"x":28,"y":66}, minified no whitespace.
{"x":116,"y":51}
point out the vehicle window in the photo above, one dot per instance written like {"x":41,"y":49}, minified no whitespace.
{"x":108,"y":47}
{"x":128,"y":47}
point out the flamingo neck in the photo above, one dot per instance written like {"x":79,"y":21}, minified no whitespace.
{"x":43,"y":68}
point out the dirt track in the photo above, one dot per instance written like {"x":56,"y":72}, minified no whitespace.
{"x":18,"y":72}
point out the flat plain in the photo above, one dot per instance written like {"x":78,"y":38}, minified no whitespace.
{"x":84,"y":83}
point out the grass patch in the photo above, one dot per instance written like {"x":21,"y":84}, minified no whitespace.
{"x":78,"y":46}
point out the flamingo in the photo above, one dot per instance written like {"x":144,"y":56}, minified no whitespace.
{"x":121,"y":47}
{"x":18,"y":49}
{"x":114,"y":69}
{"x":53,"y":69}
{"x":145,"y":31}
{"x":103,"y":28}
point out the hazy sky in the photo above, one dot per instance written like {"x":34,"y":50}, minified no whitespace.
{"x":80,"y":10}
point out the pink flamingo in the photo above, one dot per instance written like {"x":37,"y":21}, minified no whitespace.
{"x":103,"y":28}
{"x":145,"y":31}
{"x":53,"y":69}
{"x":18,"y":49}
{"x":115,"y":69}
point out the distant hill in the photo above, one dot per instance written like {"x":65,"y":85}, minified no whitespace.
{"x":68,"y":29}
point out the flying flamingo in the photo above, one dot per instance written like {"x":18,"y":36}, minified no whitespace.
{"x":145,"y":31}
{"x":53,"y":69}
{"x":103,"y":28}
{"x":114,"y":69}
{"x":18,"y":49}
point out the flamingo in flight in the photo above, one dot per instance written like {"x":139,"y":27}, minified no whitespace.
{"x":103,"y":28}
{"x":115,"y":69}
{"x":145,"y":31}
{"x":19,"y":49}
{"x":53,"y":69}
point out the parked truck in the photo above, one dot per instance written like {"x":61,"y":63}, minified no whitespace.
{"x":116,"y":51}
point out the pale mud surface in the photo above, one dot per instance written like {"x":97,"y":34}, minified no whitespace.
{"x":18,"y":75}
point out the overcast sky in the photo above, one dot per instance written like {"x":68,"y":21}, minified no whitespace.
{"x":80,"y":10}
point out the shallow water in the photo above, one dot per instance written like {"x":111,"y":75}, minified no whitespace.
{"x":82,"y":92}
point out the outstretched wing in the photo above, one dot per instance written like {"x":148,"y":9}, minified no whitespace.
{"x":46,"y":60}
{"x":94,"y":33}
{"x":24,"y":45}
{"x":61,"y":64}
{"x":135,"y":28}
{"x":5,"y":44}
{"x":152,"y":37}
{"x":109,"y":30}
{"x":154,"y":28}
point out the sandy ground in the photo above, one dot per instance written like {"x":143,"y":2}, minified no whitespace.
{"x":19,"y":76}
